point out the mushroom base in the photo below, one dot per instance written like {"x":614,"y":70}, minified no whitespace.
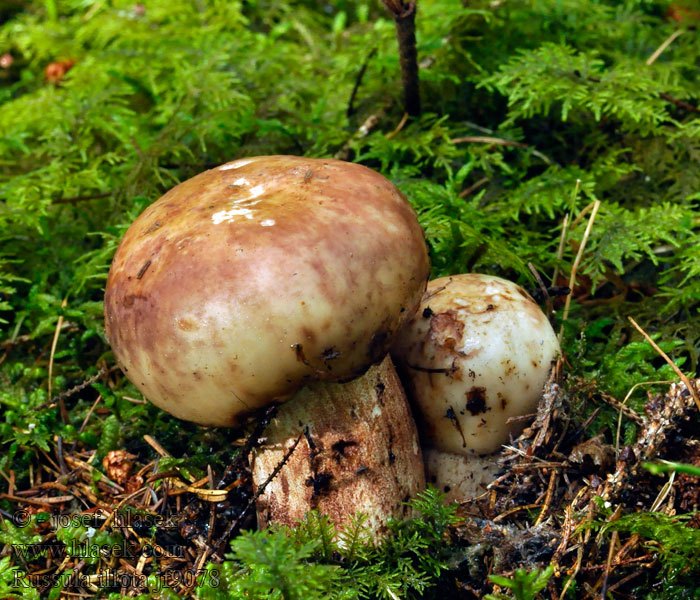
{"x":460,"y":477}
{"x":358,"y":453}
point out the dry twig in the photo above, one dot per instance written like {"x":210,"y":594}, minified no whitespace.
{"x":358,"y":82}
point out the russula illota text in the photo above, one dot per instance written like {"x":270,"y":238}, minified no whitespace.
{"x":252,"y":280}
{"x":477,"y":352}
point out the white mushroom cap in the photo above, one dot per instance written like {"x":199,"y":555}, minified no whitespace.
{"x":246,"y":282}
{"x":477,"y":352}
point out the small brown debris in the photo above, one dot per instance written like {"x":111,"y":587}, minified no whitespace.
{"x":133,"y":484}
{"x":476,"y":400}
{"x":143,"y":269}
{"x":118,"y":464}
{"x":681,"y":14}
{"x":599,"y":452}
{"x":56,"y":71}
{"x":446,"y":330}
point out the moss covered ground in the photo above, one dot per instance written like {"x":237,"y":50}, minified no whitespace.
{"x":535,"y":117}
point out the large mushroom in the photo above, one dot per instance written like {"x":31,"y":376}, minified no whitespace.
{"x":475,"y":356}
{"x":252,"y":280}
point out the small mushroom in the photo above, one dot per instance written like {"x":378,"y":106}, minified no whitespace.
{"x":476,"y":354}
{"x":252,"y":280}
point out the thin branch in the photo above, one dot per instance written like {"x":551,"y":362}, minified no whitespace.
{"x":80,"y":198}
{"x":59,"y":455}
{"x":253,"y":439}
{"x":404,"y":14}
{"x":548,"y":497}
{"x":543,"y":289}
{"x":472,"y":188}
{"x":358,"y":82}
{"x":586,"y":209}
{"x":38,"y":501}
{"x":29,"y":337}
{"x":608,"y":564}
{"x":85,"y":420}
{"x":363,"y":131}
{"x":220,"y":546}
{"x":483,"y":139}
{"x":74,"y":390}
{"x":399,"y":127}
{"x":680,"y":103}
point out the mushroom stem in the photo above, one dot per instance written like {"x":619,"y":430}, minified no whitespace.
{"x":359,"y":453}
{"x":460,"y":477}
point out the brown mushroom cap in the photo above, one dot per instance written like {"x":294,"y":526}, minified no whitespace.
{"x":249,"y":280}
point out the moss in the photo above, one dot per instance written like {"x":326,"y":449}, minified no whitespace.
{"x":520,"y":101}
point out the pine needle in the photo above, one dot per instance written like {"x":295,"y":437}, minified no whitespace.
{"x":666,"y":43}
{"x":54,"y":344}
{"x":674,"y":366}
{"x":565,"y":230}
{"x":572,"y":279}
